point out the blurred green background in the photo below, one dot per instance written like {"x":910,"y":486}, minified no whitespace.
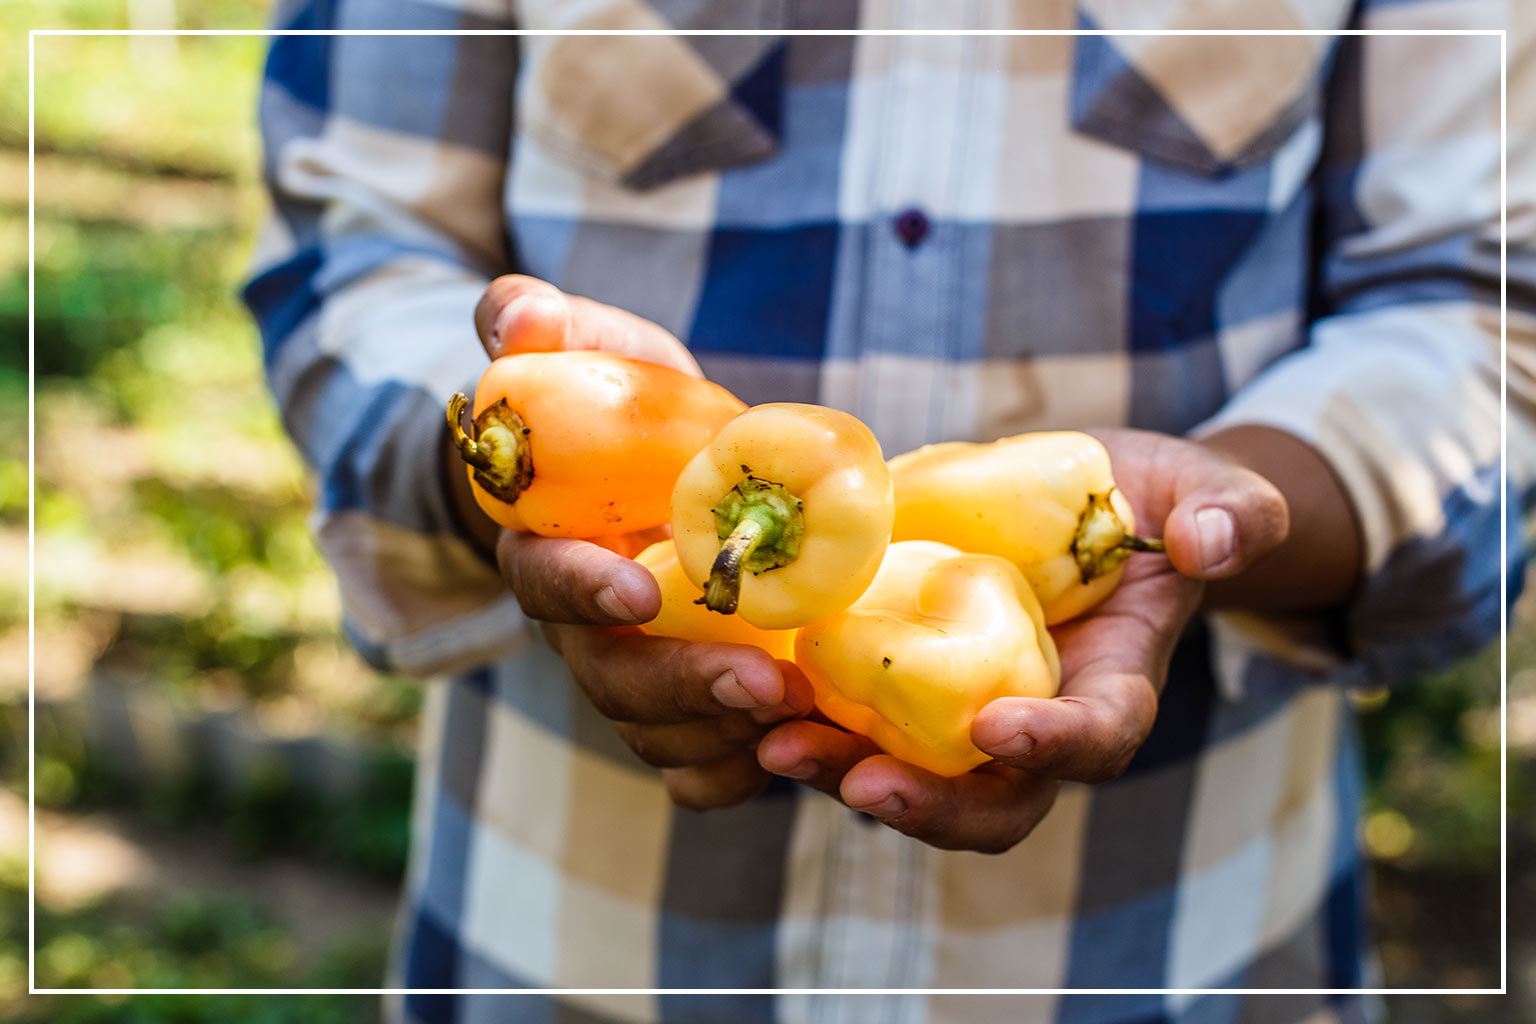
{"x":222,"y":787}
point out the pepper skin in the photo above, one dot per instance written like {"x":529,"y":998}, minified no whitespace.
{"x":1046,"y":502}
{"x":938,"y":635}
{"x":681,"y":615}
{"x":584,"y":444}
{"x":797,"y":496}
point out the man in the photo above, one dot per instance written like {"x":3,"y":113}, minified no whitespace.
{"x":1274,"y":257}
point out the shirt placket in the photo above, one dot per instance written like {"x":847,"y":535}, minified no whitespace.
{"x":913,"y":243}
{"x":876,"y":889}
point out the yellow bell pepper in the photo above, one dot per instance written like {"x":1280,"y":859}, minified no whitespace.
{"x":1046,"y":502}
{"x":797,"y":496}
{"x":938,"y":635}
{"x":683,"y":618}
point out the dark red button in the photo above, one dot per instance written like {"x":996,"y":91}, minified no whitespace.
{"x":911,"y":227}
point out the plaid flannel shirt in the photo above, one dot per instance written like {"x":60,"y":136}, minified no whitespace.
{"x":952,"y":237}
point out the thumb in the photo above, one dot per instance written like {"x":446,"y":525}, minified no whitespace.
{"x":1227,"y":519}
{"x":519,"y":314}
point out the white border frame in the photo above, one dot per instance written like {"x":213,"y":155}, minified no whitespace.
{"x":31,"y":516}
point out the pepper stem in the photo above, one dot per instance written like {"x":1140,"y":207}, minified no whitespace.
{"x":760,"y":525}
{"x":1102,"y":542}
{"x":723,"y":590}
{"x":498,"y":449}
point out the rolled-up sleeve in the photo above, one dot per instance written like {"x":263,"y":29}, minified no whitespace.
{"x":385,"y":157}
{"x":1400,"y":384}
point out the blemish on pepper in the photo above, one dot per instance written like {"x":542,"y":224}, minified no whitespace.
{"x":886,"y":662}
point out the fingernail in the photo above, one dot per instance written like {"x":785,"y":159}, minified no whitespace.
{"x":804,"y":770}
{"x":729,"y":691}
{"x":612,"y":605}
{"x":1017,"y":745}
{"x":1216,"y":531}
{"x":891,"y":807}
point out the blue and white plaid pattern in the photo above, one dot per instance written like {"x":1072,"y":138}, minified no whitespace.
{"x":950,"y":237}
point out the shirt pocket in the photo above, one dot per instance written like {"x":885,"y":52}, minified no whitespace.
{"x":1207,"y":105}
{"x":641,"y":111}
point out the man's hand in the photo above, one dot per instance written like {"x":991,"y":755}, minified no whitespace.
{"x":694,"y":710}
{"x":1219,"y":519}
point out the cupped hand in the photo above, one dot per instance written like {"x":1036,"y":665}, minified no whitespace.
{"x":694,"y":710}
{"x":1217,"y":517}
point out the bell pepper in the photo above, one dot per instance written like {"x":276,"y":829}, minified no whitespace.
{"x":938,"y":635}
{"x":581,"y":443}
{"x":798,"y":497}
{"x":681,"y":616}
{"x":1046,"y":502}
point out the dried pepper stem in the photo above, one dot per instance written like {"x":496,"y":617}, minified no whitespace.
{"x":1102,"y":542}
{"x":498,"y":450}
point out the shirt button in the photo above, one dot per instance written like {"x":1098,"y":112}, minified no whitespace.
{"x":911,"y":227}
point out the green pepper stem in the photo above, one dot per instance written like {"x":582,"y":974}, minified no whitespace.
{"x":498,"y":450}
{"x":760,"y":525}
{"x":723,"y":590}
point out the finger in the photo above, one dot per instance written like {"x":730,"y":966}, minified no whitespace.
{"x":1223,"y":524}
{"x":988,"y":810}
{"x":1087,"y":735}
{"x":1114,"y":664}
{"x":692,"y":743}
{"x":798,"y":692}
{"x":722,"y":783}
{"x":517,"y":313}
{"x":557,"y":579}
{"x":596,"y":325}
{"x":631,"y":677}
{"x":815,"y":754}
{"x":1136,"y":629}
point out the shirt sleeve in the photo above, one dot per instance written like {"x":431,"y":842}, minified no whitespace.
{"x":1400,"y":385}
{"x":385,"y":158}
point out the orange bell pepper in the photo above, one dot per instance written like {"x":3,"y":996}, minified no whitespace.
{"x":584,"y":444}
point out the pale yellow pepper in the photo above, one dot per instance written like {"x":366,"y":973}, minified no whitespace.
{"x":938,"y":635}
{"x":784,"y":517}
{"x":1046,"y":502}
{"x":682,"y":617}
